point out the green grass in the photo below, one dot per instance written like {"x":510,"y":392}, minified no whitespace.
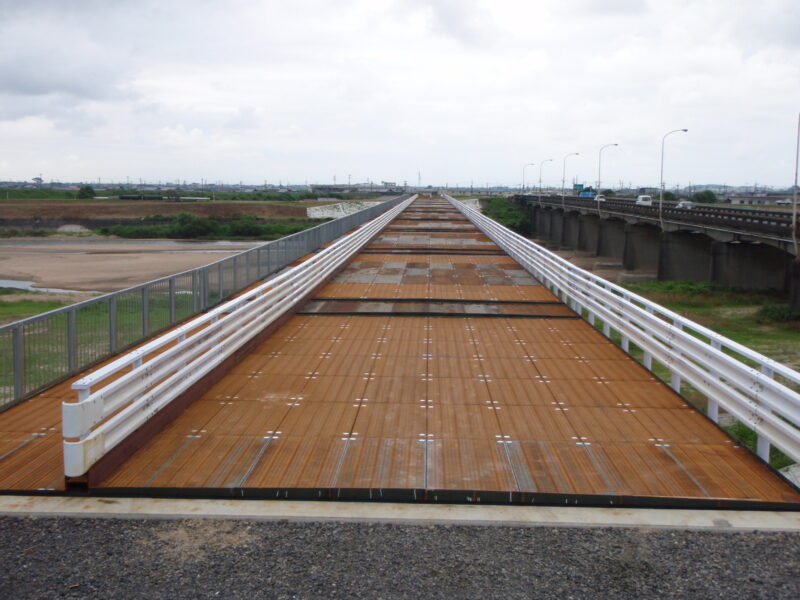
{"x":7,"y":232}
{"x":188,"y":226}
{"x":22,"y":309}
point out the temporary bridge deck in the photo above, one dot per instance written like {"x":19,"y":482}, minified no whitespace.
{"x":432,"y":367}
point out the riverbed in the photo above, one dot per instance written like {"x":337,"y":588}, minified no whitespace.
{"x":102,"y":265}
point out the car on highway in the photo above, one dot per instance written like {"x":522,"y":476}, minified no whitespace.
{"x":644,"y":201}
{"x":685,"y":204}
{"x":599,"y":198}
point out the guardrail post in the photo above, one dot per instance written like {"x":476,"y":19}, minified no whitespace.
{"x":112,"y":324}
{"x":145,"y":311}
{"x":171,"y":300}
{"x":72,"y":342}
{"x":762,"y":443}
{"x":675,"y":377}
{"x":18,"y":341}
{"x":713,"y":405}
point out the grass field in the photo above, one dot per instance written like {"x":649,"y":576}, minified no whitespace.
{"x":13,"y":309}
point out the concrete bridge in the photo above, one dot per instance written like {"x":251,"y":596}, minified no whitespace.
{"x":750,"y":249}
{"x":427,"y":355}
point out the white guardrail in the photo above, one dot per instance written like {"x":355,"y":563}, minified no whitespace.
{"x":690,"y":351}
{"x":140,"y":384}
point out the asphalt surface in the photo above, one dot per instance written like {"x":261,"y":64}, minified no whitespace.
{"x":114,"y":558}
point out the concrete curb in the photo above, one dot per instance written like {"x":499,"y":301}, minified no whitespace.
{"x":410,"y":514}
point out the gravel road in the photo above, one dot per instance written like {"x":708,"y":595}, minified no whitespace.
{"x":111,"y":558}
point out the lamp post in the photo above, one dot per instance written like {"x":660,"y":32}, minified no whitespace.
{"x":523,"y":175}
{"x":794,"y":286}
{"x":661,"y":185}
{"x":794,"y":192}
{"x":599,"y":164}
{"x":541,"y":164}
{"x":564,"y":176}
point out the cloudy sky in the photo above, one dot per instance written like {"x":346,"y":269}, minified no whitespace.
{"x":459,"y":91}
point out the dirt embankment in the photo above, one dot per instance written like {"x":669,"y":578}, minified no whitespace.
{"x":120,"y":209}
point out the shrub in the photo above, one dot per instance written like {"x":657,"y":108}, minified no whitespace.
{"x":86,"y":191}
{"x":778,"y":312}
{"x":506,"y":212}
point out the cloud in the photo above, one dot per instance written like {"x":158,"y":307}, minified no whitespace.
{"x":464,"y":20}
{"x":603,"y":7}
{"x":459,"y":90}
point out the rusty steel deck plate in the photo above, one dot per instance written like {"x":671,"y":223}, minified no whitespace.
{"x":443,"y":375}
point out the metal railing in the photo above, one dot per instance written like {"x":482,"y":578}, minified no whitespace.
{"x":136,"y":386}
{"x":40,"y":351}
{"x":732,"y":377}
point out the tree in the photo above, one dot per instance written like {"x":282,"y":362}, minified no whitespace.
{"x":607,"y":193}
{"x":670,"y":197}
{"x":706,"y":196}
{"x":86,"y":191}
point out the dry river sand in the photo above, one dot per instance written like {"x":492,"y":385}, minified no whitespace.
{"x":101,"y":265}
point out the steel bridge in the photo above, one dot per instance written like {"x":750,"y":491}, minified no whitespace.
{"x":428,"y":355}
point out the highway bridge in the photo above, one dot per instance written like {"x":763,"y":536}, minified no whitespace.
{"x":426,"y":355}
{"x":736,"y":247}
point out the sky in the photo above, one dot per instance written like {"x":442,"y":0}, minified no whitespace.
{"x":453,"y":92}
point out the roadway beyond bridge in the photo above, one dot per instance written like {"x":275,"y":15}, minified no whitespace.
{"x":734,"y":247}
{"x":432,"y":367}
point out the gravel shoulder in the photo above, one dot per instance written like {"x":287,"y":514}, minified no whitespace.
{"x":114,"y":558}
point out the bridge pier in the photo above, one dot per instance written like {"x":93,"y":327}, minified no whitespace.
{"x":571,"y":233}
{"x":685,"y":255}
{"x":750,"y":265}
{"x":588,"y":233}
{"x":556,"y":227}
{"x":794,"y":284}
{"x":611,"y":238}
{"x":642,"y":247}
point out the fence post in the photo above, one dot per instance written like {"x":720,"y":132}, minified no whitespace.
{"x":145,"y":311}
{"x":202,"y":285}
{"x":18,"y":342}
{"x":72,"y":342}
{"x":221,"y":281}
{"x":112,"y":324}
{"x":171,"y":300}
{"x":195,"y":292}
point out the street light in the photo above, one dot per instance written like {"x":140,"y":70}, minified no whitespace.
{"x":541,"y":164}
{"x":523,"y":175}
{"x":661,"y":186}
{"x":600,"y":162}
{"x":794,"y":192}
{"x":564,"y":176}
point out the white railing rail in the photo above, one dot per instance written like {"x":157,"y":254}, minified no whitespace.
{"x":689,"y":351}
{"x":141,"y":383}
